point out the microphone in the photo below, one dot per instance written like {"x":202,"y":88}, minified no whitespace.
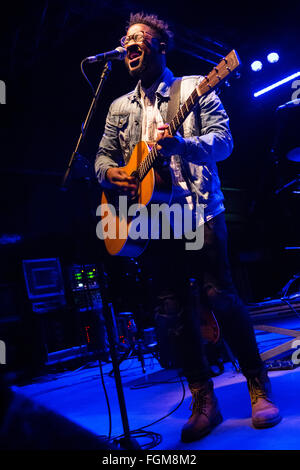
{"x":117,"y":54}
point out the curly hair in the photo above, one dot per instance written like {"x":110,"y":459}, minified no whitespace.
{"x":160,"y":26}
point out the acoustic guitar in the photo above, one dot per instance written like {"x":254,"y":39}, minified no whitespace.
{"x":155,"y":181}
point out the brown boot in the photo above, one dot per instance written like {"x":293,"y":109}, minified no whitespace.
{"x":264,"y":413}
{"x":205,"y":412}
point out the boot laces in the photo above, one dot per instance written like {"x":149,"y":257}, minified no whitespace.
{"x":199,"y":402}
{"x":257,"y":390}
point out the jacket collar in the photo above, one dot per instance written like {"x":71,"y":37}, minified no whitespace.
{"x":163,"y":88}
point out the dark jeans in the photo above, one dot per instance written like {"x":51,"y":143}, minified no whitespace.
{"x":171,"y":265}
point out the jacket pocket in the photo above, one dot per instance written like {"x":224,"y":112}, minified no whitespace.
{"x":122,"y":122}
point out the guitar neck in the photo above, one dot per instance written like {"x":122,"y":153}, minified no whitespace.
{"x":210,"y":81}
{"x":174,"y":126}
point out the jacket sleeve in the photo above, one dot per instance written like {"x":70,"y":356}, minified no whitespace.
{"x":109,"y":151}
{"x":215,"y":141}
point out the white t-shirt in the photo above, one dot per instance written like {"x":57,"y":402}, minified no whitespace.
{"x":151,"y":121}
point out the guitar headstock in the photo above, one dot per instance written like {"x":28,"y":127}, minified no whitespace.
{"x":226,"y":66}
{"x":232,"y":60}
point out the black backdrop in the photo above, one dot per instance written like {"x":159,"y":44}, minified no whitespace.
{"x":42,"y":46}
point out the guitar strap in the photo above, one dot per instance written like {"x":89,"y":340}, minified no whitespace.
{"x":173,"y":108}
{"x":174,"y":101}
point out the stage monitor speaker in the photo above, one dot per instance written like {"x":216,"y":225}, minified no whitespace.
{"x":26,"y":425}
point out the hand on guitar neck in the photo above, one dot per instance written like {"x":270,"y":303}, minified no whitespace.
{"x":118,"y":179}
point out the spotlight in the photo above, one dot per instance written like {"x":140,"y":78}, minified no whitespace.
{"x":256,"y":66}
{"x":273,"y":57}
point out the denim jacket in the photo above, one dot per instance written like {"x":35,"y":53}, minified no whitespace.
{"x":205,"y":132}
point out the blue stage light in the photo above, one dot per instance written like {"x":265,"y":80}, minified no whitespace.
{"x":256,"y":66}
{"x":276,"y":84}
{"x":273,"y":57}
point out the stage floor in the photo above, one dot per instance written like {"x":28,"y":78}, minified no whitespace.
{"x":79,"y":396}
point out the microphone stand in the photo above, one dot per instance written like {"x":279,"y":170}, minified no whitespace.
{"x":91,"y":111}
{"x":126,"y":442}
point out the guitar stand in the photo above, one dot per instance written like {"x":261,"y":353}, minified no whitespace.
{"x":231,"y":356}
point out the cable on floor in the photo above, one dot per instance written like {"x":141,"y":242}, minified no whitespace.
{"x":156,"y":438}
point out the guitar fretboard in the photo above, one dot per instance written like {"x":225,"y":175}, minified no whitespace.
{"x":209,"y":82}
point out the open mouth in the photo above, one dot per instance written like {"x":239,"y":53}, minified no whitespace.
{"x":134,"y":54}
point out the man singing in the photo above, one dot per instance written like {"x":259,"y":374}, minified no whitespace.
{"x":192,"y":157}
